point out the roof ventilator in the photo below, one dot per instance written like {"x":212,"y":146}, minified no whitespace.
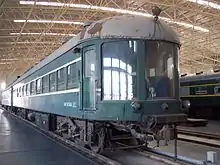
{"x":198,"y":73}
{"x":156,"y":12}
{"x":87,"y":24}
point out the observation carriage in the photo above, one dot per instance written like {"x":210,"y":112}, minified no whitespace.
{"x":125,"y":84}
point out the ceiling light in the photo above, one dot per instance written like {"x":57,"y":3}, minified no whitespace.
{"x":206,"y":3}
{"x":16,"y":59}
{"x":83,"y":6}
{"x":3,"y":85}
{"x":29,"y":42}
{"x":50,"y":21}
{"x":52,"y":34}
{"x":9,"y":59}
{"x":5,"y":63}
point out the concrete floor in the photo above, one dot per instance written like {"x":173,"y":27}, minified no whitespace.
{"x":132,"y":158}
{"x":21,"y":144}
{"x":191,"y":150}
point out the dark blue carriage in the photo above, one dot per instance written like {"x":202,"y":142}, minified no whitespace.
{"x":203,"y":93}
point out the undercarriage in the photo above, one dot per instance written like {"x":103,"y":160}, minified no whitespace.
{"x":100,"y":136}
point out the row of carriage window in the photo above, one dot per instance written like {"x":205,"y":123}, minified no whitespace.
{"x":65,"y":78}
{"x":119,"y":61}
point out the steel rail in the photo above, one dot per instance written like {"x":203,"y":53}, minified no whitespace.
{"x":199,"y":134}
{"x":177,"y":159}
{"x":203,"y":138}
{"x":166,"y":157}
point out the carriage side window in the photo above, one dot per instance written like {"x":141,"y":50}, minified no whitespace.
{"x":61,"y":79}
{"x":19,"y":91}
{"x":217,"y":90}
{"x":24,"y":90}
{"x":52,"y":81}
{"x":38,"y":86}
{"x":27,"y":90}
{"x":23,"y":94}
{"x":33,"y":88}
{"x":45,"y":84}
{"x":72,"y":78}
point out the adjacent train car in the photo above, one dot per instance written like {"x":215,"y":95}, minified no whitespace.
{"x":203,"y":92}
{"x":117,"y":77}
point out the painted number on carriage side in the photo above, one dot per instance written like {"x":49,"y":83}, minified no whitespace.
{"x":69,"y":104}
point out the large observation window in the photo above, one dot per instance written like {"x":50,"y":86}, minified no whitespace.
{"x":119,"y":70}
{"x":160,"y":64}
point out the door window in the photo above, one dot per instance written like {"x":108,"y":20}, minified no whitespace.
{"x":90,"y":78}
{"x":90,"y":61}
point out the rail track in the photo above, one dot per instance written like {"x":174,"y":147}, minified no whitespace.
{"x":148,"y":153}
{"x":208,"y":139}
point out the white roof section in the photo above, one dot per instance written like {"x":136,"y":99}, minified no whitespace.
{"x":200,"y":77}
{"x":131,"y":26}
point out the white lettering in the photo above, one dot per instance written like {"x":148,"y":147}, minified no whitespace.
{"x":69,"y":104}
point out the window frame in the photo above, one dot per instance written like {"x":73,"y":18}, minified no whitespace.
{"x":33,"y":88}
{"x":39,"y":88}
{"x":61,"y":85}
{"x":54,"y":83}
{"x":45,"y":84}
{"x":72,"y":80}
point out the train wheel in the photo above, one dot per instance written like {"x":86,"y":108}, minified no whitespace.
{"x":98,"y":140}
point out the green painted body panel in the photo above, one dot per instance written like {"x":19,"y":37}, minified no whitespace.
{"x":121,"y":110}
{"x":152,"y":107}
{"x":81,"y":104}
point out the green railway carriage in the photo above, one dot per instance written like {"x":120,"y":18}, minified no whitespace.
{"x":104,"y":82}
{"x":203,"y":92}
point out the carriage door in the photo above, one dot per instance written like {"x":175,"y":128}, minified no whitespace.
{"x":89,"y":83}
